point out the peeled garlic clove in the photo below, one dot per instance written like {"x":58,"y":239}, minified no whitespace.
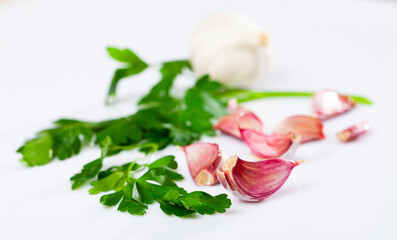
{"x":232,"y":123}
{"x":203,"y":160}
{"x":254,"y":181}
{"x":230,"y":48}
{"x":310,"y":128}
{"x":353,"y":132}
{"x":328,"y":103}
{"x":270,"y":146}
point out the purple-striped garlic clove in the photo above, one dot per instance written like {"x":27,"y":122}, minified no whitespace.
{"x":203,"y":160}
{"x":353,"y":132}
{"x":254,"y":181}
{"x":239,"y":118}
{"x":328,"y":103}
{"x":308,"y":127}
{"x":270,"y":146}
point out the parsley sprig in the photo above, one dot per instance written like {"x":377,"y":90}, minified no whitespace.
{"x":133,"y":194}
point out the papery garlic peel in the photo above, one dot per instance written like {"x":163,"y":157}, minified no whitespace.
{"x":328,"y":103}
{"x":203,"y":160}
{"x":254,"y":181}
{"x":353,"y":132}
{"x":270,"y":146}
{"x":231,"y":49}
{"x":308,"y":127}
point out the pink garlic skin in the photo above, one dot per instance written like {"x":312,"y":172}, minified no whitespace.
{"x":239,"y":118}
{"x":328,"y":103}
{"x":270,"y":146}
{"x":203,"y":160}
{"x":254,"y":181}
{"x":353,"y":132}
{"x":308,"y":127}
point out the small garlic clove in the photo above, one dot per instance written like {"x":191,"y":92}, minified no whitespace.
{"x":328,"y":103}
{"x":270,"y":146}
{"x":238,"y":118}
{"x":353,"y":132}
{"x":310,"y":128}
{"x":203,"y":160}
{"x":254,"y":181}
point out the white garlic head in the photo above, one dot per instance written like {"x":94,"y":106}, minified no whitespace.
{"x":231,"y":49}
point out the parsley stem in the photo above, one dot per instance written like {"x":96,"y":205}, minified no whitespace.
{"x":247,"y":95}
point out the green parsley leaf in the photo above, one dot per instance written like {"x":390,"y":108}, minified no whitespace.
{"x":112,"y":182}
{"x":134,"y":66}
{"x":177,"y":210}
{"x":166,"y":161}
{"x":90,"y":170}
{"x":111,"y":199}
{"x":161,"y":91}
{"x":124,"y":131}
{"x":204,"y":203}
{"x":37,"y":151}
{"x":68,"y":140}
{"x":162,"y":175}
{"x":128,"y":204}
{"x":144,"y":194}
{"x":125,"y":56}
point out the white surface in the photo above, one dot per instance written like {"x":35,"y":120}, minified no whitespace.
{"x":53,"y":64}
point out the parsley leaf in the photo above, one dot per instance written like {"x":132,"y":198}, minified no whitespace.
{"x":67,"y":141}
{"x":37,"y":151}
{"x":62,"y":142}
{"x":204,"y":203}
{"x":122,"y":132}
{"x":112,"y":199}
{"x":161,"y":91}
{"x":134,"y":65}
{"x":89,"y":171}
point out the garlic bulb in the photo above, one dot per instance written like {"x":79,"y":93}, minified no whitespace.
{"x":231,"y":49}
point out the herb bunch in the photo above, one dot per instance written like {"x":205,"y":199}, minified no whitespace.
{"x":162,"y":120}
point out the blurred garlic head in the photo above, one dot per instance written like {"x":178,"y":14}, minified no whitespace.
{"x":231,"y":49}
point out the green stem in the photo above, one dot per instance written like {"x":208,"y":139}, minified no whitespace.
{"x":247,"y":95}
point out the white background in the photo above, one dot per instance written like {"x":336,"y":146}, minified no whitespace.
{"x":53,"y":64}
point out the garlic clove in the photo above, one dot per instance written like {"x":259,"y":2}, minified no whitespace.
{"x":231,"y":49}
{"x":232,"y":123}
{"x":328,"y":103}
{"x":254,"y":181}
{"x":310,"y":128}
{"x":203,"y":160}
{"x":353,"y":132}
{"x":238,"y":118}
{"x":270,"y":146}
